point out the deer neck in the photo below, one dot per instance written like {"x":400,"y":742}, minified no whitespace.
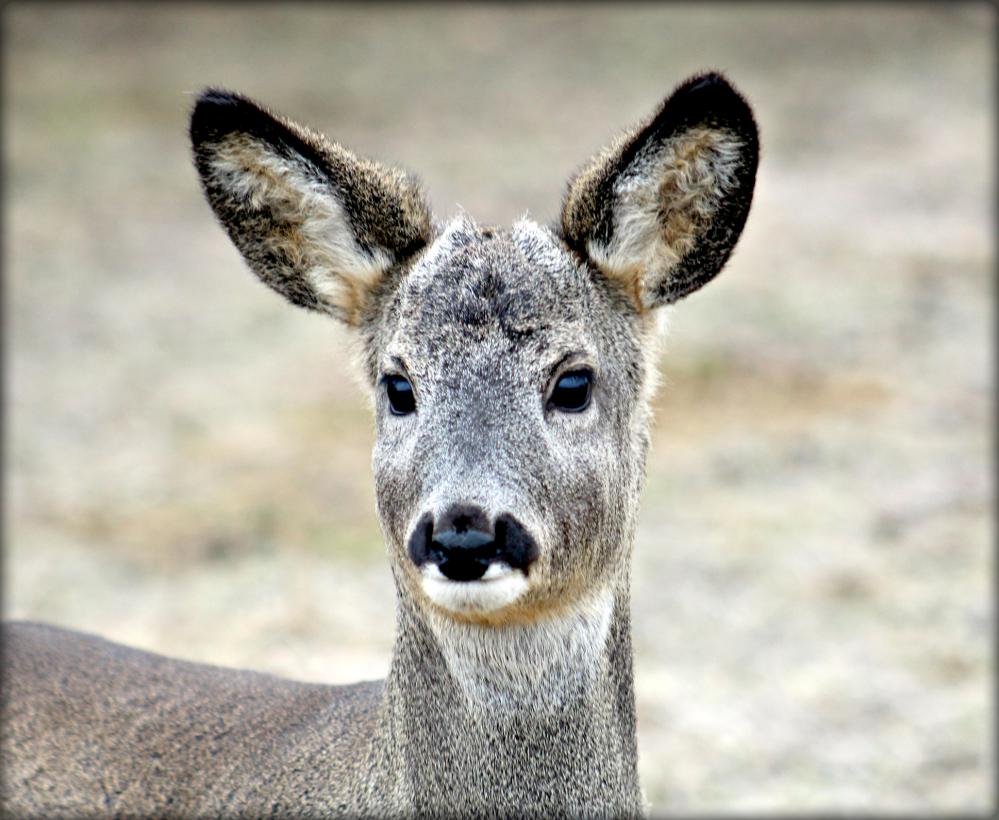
{"x":539,"y":715}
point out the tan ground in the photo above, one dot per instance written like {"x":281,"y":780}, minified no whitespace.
{"x":187,"y":458}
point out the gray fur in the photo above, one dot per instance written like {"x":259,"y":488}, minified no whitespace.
{"x":493,"y":705}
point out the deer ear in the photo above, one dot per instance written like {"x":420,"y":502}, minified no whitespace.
{"x":316,"y":223}
{"x":660,"y":210}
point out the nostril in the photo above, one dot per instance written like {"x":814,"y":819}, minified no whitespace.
{"x":518,"y":547}
{"x":419,"y":542}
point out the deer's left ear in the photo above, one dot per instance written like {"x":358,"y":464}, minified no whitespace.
{"x":660,"y":210}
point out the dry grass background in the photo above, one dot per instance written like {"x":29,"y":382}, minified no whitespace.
{"x":187,"y":458}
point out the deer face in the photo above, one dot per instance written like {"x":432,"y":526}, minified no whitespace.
{"x":511,"y":432}
{"x":511,"y":369}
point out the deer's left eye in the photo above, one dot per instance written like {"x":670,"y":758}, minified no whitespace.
{"x":401,"y":399}
{"x":572,"y":391}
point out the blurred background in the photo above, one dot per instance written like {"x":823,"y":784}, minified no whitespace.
{"x":187,"y":457}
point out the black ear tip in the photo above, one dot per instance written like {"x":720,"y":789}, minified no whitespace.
{"x":711,"y":96}
{"x":713,"y":85}
{"x":213,"y":97}
{"x":218,"y":112}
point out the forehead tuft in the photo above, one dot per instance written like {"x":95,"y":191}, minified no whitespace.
{"x":539,"y":246}
{"x":520,"y":279}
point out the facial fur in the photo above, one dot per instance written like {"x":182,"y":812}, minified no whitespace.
{"x":481,"y":326}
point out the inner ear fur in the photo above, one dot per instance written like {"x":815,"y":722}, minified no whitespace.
{"x":318,"y":224}
{"x":660,"y":210}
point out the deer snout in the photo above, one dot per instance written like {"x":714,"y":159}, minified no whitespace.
{"x":464,"y":543}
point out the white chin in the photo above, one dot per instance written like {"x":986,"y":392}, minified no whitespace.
{"x":499,"y":587}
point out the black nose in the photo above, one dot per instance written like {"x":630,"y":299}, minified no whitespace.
{"x":463,"y":542}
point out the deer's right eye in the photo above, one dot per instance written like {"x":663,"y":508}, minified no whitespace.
{"x":401,"y":399}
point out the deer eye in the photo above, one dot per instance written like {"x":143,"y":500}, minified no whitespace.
{"x":402,"y":402}
{"x":572,"y":391}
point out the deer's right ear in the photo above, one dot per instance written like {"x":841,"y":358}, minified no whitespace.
{"x":316,"y":223}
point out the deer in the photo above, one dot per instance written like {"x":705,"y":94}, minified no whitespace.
{"x":510,"y":372}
